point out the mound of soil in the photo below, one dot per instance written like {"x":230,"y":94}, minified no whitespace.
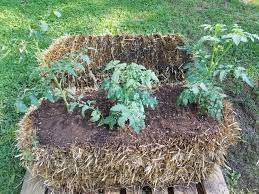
{"x":56,"y":127}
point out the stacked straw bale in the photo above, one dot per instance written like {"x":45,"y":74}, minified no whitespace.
{"x":159,"y":53}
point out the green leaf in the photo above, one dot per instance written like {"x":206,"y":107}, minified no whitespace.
{"x":238,"y":72}
{"x":122,"y":66}
{"x":72,"y":106}
{"x":110,"y":120}
{"x":111,"y":65}
{"x":71,"y":71}
{"x":96,"y":115}
{"x":20,"y":106}
{"x":203,"y":87}
{"x":236,"y":39}
{"x":185,"y":101}
{"x":57,"y":92}
{"x":128,"y":86}
{"x":115,"y":91}
{"x":219,"y":28}
{"x":207,"y":27}
{"x":195,"y":89}
{"x":116,"y":75}
{"x":154,"y":77}
{"x":44,"y":26}
{"x":209,"y":38}
{"x":119,"y":108}
{"x":122,"y":120}
{"x":85,"y":58}
{"x":90,"y":102}
{"x":57,"y":13}
{"x":136,"y":128}
{"x":84,"y":108}
{"x":49,"y":96}
{"x":136,"y":124}
{"x":106,"y":84}
{"x":148,"y":100}
{"x":247,"y":80}
{"x":34,"y":100}
{"x":222,"y":75}
{"x":130,"y":83}
{"x":80,"y":67}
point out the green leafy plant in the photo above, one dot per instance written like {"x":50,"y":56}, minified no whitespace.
{"x":51,"y":86}
{"x":232,"y":178}
{"x":129,"y":86}
{"x":210,"y":68}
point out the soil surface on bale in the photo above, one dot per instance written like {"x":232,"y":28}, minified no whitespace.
{"x":56,"y":127}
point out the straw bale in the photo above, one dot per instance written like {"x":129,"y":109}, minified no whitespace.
{"x":89,"y":167}
{"x":156,"y":52}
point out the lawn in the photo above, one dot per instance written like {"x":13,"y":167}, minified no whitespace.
{"x":17,"y":48}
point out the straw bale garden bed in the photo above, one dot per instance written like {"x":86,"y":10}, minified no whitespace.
{"x":124,"y":110}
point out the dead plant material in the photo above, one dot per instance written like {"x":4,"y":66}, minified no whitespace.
{"x":156,"y":52}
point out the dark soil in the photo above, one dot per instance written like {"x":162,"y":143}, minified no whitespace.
{"x":58,"y":128}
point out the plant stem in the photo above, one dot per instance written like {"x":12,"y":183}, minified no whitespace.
{"x":212,"y":58}
{"x":62,"y":92}
{"x":91,"y":75}
{"x":225,"y":52}
{"x":215,"y":64}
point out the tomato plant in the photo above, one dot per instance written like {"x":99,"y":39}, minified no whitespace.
{"x":130,"y":86}
{"x":209,"y":68}
{"x":51,"y":86}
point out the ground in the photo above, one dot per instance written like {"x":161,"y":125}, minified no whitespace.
{"x":17,"y":55}
{"x":243,"y":158}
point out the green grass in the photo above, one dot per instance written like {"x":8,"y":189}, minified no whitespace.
{"x":93,"y":17}
{"x":255,"y":2}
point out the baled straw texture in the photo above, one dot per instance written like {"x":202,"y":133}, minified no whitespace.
{"x":158,"y":53}
{"x":89,"y":167}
